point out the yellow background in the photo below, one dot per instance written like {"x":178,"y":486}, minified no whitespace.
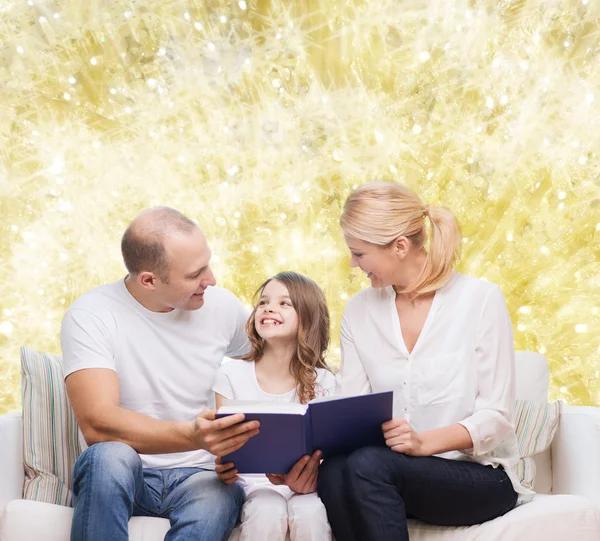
{"x":256,"y":118}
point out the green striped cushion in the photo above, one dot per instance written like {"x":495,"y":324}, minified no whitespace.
{"x":536,"y":424}
{"x":50,"y":433}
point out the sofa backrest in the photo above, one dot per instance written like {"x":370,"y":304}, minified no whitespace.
{"x":533,"y":376}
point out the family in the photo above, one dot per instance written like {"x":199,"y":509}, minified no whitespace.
{"x":143,"y":368}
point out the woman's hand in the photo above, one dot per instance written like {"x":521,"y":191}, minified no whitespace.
{"x":402,"y":438}
{"x":226,"y":472}
{"x":302,"y":478}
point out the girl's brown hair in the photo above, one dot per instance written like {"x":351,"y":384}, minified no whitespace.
{"x":380,"y":212}
{"x":313,"y":331}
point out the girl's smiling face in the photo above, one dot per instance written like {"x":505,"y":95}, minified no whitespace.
{"x":276,"y":317}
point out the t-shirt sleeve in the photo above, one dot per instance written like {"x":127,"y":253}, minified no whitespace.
{"x":85,"y":342}
{"x":222,"y":384}
{"x":239,"y":344}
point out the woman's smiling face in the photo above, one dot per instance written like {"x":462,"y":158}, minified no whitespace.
{"x":380,"y":263}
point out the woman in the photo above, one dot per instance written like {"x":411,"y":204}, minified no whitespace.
{"x":443,"y":343}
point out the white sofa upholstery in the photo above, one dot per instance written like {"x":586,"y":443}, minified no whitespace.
{"x":570,"y":471}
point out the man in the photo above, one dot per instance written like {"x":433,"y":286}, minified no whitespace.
{"x":140,"y":356}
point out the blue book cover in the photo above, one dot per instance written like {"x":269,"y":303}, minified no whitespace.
{"x":290,"y":431}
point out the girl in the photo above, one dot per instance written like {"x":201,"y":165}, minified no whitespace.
{"x":289,"y":335}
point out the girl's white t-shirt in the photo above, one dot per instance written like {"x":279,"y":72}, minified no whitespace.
{"x":236,"y":380}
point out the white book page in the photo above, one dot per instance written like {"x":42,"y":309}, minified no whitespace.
{"x":340,"y":397}
{"x":250,"y":406}
{"x":327,"y":398}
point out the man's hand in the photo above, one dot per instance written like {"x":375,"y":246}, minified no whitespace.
{"x":222,"y":436}
{"x":302,"y":478}
{"x":402,"y":438}
{"x":226,"y":472}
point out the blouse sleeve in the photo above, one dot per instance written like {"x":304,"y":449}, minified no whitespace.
{"x":492,"y":418}
{"x":352,"y":378}
{"x":325,"y":383}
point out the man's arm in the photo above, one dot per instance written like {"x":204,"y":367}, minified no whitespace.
{"x":94,"y":396}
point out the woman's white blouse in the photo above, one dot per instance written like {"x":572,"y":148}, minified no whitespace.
{"x":461,"y":370}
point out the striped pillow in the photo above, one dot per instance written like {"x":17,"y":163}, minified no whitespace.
{"x":50,"y":433}
{"x":536,"y":424}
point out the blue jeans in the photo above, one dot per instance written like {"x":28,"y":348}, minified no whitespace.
{"x":370,"y":493}
{"x":110,"y":486}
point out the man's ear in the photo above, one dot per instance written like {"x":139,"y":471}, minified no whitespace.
{"x":401,"y":247}
{"x":148,"y":280}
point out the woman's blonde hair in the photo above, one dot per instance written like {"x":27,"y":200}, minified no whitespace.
{"x":380,"y":212}
{"x":309,"y":302}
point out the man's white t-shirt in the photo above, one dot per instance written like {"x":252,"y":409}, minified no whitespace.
{"x":236,"y":380}
{"x":166,"y":361}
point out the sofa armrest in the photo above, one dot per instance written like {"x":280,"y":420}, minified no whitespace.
{"x":576,"y":452}
{"x":12,"y":473}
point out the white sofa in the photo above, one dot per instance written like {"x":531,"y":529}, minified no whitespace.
{"x":570,"y":471}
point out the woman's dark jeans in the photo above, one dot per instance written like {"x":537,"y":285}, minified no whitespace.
{"x":370,"y":493}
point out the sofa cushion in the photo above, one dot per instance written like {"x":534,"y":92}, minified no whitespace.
{"x":533,"y":380}
{"x":543,"y":482}
{"x":50,"y":433}
{"x":28,"y":520}
{"x":536,"y":424}
{"x":546,"y":518}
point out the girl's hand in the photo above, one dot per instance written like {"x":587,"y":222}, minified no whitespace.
{"x":226,"y":472}
{"x":402,"y":438}
{"x":302,"y":478}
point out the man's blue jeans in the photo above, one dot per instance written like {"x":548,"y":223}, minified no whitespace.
{"x":110,"y":486}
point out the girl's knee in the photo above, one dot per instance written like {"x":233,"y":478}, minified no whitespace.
{"x":264,"y":516}
{"x":264,"y":505}
{"x":306,"y":507}
{"x":308,"y":518}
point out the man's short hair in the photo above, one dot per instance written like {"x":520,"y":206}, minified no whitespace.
{"x":143,"y":243}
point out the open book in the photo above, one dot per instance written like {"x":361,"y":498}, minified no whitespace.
{"x":333,"y":425}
